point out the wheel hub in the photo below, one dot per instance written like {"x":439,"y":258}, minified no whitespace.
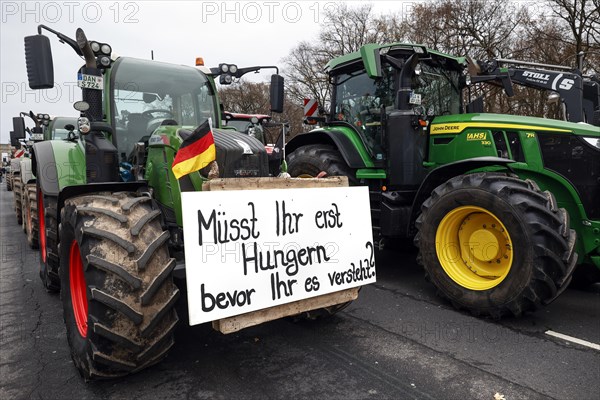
{"x":474,"y":248}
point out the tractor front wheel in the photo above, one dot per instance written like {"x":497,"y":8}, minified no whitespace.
{"x":117,"y":287}
{"x":495,"y":244}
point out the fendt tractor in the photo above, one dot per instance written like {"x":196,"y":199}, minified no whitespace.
{"x":21,"y":163}
{"x":45,"y":128}
{"x":502,"y":208}
{"x":111,"y":229}
{"x":24,"y":188}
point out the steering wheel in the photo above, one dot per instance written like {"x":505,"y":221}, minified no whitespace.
{"x":148,"y":113}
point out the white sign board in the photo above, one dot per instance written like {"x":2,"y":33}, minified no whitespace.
{"x":253,"y":249}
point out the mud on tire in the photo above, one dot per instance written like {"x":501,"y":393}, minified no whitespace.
{"x":129,"y":294}
{"x":17,"y":188}
{"x":31,"y":219}
{"x":48,"y":241}
{"x":542,"y":243}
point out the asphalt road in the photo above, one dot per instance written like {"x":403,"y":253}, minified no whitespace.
{"x":397,"y":341}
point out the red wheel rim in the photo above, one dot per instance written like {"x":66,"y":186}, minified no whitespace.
{"x":42,"y":222}
{"x":78,"y":289}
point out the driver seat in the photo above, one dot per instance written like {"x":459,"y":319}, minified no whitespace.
{"x":137,"y":125}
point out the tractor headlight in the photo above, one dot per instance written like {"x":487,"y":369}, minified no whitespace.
{"x":40,"y":116}
{"x":233,"y":68}
{"x":224,"y":68}
{"x":104,"y":61}
{"x":83,"y":124}
{"x":105,"y":49}
{"x":95,"y":46}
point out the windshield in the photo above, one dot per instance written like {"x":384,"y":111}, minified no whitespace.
{"x":240,"y":126}
{"x":438,"y":89}
{"x":58,"y":130}
{"x":359,"y":101}
{"x":147,"y":94}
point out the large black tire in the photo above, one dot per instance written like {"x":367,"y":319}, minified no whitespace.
{"x":542,"y":245}
{"x":48,"y":241}
{"x":31,"y":221}
{"x":9,"y":183}
{"x":17,"y":192}
{"x":312,"y":159}
{"x":115,"y":266}
{"x":309,"y":161}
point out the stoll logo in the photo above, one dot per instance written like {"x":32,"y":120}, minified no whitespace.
{"x":536,"y":75}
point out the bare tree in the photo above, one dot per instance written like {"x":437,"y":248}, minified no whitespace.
{"x":346,"y":29}
{"x":582,"y":20}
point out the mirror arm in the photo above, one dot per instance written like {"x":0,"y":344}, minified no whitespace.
{"x":62,"y":38}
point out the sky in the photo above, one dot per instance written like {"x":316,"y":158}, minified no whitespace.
{"x":246,"y":33}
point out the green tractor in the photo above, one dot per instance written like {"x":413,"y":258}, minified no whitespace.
{"x":502,"y":208}
{"x":21,"y":165}
{"x":109,"y":204}
{"x":45,"y":128}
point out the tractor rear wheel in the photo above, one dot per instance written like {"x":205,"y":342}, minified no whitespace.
{"x":17,"y":188}
{"x":117,"y":291}
{"x":31,"y":222}
{"x":48,"y":241}
{"x":495,"y":244}
{"x":308,"y":162}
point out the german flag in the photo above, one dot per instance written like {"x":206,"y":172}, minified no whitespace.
{"x":196,"y":151}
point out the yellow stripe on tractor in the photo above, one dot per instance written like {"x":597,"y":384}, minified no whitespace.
{"x":439,"y":129}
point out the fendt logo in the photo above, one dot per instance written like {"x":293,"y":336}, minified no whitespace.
{"x":536,"y":75}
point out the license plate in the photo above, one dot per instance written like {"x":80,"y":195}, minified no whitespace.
{"x":37,"y":136}
{"x":415,"y":98}
{"x":90,"y":81}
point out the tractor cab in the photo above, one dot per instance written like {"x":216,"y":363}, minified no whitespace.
{"x":149,"y":94}
{"x":389,"y":95}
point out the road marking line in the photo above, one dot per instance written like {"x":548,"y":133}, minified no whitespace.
{"x":574,"y":340}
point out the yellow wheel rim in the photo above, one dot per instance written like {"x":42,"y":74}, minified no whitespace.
{"x":474,"y":248}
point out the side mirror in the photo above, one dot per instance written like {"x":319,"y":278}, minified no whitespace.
{"x":14,"y":140}
{"x":38,"y":57}
{"x":277,"y":94}
{"x":19,"y":127}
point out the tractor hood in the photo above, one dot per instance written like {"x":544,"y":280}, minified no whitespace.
{"x":457,"y":123}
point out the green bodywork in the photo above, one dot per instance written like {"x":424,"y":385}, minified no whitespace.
{"x":456,"y":137}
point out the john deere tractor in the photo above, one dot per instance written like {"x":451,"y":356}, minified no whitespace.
{"x":502,"y":208}
{"x":109,"y":205}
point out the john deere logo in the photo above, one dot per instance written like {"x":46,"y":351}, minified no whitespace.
{"x":476,"y":136}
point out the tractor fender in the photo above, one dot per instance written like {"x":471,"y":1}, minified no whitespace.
{"x":27,"y":175}
{"x":44,"y":165}
{"x":336,"y":138}
{"x":443,"y":173}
